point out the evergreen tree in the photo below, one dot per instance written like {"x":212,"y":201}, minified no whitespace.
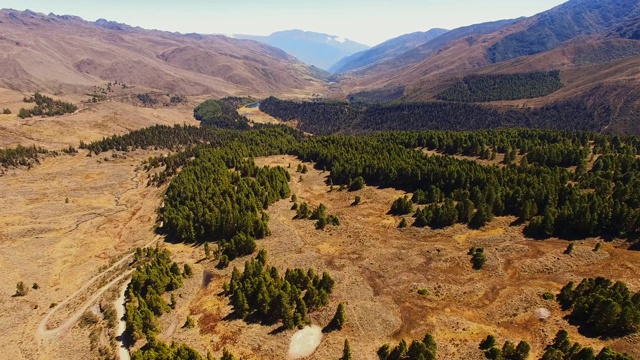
{"x":346,"y":351}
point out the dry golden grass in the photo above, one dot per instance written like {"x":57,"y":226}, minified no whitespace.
{"x":90,"y":123}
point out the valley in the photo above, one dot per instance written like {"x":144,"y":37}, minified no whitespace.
{"x":178,"y":196}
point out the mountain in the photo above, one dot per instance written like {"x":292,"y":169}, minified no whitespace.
{"x":317,"y":49}
{"x":379,"y":73}
{"x":387,"y":49}
{"x":67,"y":54}
{"x":576,"y":35}
{"x":565,"y":22}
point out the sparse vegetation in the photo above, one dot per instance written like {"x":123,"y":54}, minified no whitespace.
{"x":46,"y":106}
{"x":478,"y":258}
{"x":146,"y":99}
{"x":563,"y":348}
{"x":425,"y":349}
{"x":509,"y":350}
{"x":21,"y":156}
{"x":21,"y":289}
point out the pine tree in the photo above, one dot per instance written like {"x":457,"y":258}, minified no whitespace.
{"x":488,"y":342}
{"x":346,"y":351}
{"x":339,"y":319}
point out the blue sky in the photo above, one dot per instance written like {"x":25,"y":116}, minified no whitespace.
{"x":366,"y":21}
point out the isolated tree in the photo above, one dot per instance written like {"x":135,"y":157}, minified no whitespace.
{"x":522,"y":351}
{"x":356,"y":201}
{"x":21,"y":289}
{"x":403,"y":223}
{"x":207,"y":250}
{"x":339,"y":319}
{"x":173,"y":302}
{"x":346,"y":351}
{"x":223,"y":263}
{"x":188,"y":271}
{"x":478,"y":259}
{"x":189,"y":324}
{"x":598,"y":247}
{"x":488,"y":342}
{"x":569,"y":249}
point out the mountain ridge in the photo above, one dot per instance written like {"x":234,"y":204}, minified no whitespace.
{"x":313,"y":48}
{"x":59,"y":54}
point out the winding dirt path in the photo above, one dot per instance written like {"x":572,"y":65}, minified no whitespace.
{"x":45,"y":333}
{"x":123,"y":351}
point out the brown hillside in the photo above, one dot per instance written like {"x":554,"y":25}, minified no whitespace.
{"x":67,"y":54}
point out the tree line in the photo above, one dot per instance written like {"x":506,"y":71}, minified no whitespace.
{"x":496,"y":87}
{"x":417,"y":350}
{"x":563,"y":349}
{"x":572,"y":203}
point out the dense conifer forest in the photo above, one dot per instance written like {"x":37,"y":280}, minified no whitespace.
{"x":567,"y":184}
{"x":483,"y":88}
{"x":324,"y":118}
{"x":602,"y":307}
{"x":222,"y":113}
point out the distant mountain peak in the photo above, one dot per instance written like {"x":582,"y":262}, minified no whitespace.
{"x":314,"y":48}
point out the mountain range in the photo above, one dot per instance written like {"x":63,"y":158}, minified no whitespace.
{"x":317,"y":49}
{"x":67,"y":54}
{"x":593,"y":43}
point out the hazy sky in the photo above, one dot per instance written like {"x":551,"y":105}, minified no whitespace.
{"x":366,"y":21}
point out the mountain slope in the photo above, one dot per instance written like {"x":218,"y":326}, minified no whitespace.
{"x":551,"y":28}
{"x":317,"y":49}
{"x":387,"y":49}
{"x":598,"y":32}
{"x":67,"y":54}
